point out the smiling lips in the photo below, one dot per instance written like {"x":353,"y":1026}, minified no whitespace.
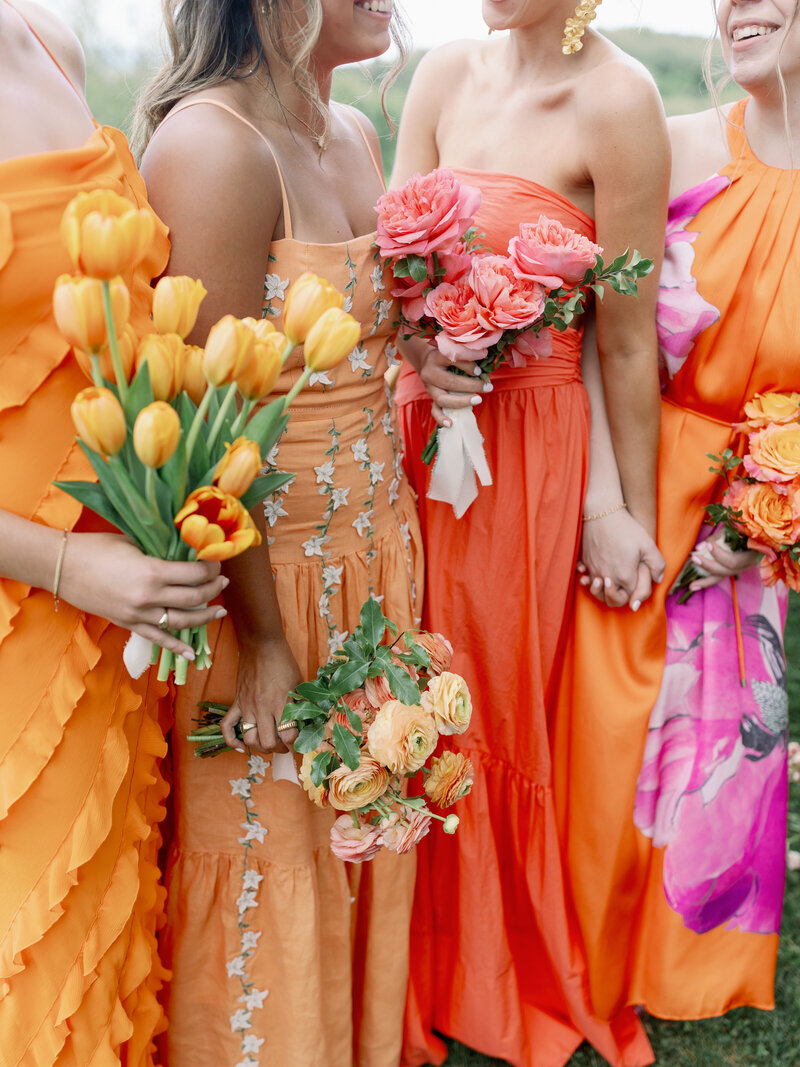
{"x":746,"y":33}
{"x":378,"y":7}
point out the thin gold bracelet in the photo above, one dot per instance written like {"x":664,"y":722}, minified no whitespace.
{"x":59,"y":564}
{"x":602,"y":514}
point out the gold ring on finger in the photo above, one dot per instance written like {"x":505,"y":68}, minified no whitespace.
{"x":163,"y":622}
{"x":290,"y":725}
{"x":249,"y":726}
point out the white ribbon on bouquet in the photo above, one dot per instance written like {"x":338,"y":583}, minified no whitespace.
{"x":459,"y":458}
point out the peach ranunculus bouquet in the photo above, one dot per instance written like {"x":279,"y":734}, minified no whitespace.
{"x":483,"y":308}
{"x":176,"y":434}
{"x":371,"y":719}
{"x":760,"y":508}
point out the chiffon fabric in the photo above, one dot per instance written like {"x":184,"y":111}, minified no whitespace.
{"x":281,"y":953}
{"x":494,"y":961}
{"x":80,"y":789}
{"x":657,"y":742}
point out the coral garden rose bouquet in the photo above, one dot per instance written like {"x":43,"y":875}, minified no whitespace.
{"x":176,"y":434}
{"x":760,"y":509}
{"x":371,"y":719}
{"x":480,"y":307}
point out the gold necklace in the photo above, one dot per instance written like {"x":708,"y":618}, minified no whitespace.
{"x":319,"y":139}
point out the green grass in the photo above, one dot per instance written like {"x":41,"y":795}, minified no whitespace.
{"x":744,"y":1037}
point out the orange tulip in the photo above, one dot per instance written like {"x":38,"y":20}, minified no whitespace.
{"x":127,"y":343}
{"x":330,"y":339}
{"x":105,"y":234}
{"x":237,"y":469}
{"x":260,"y":377}
{"x":99,"y":420}
{"x":78,"y":310}
{"x":156,"y":433}
{"x":229,"y":350}
{"x":306,"y":300}
{"x":215,"y":524}
{"x":194,"y":377}
{"x":176,"y":302}
{"x":164,"y":355}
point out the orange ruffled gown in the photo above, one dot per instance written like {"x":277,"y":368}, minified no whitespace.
{"x":280,"y":952}
{"x":80,"y":790}
{"x":494,"y":963}
{"x":639,"y":950}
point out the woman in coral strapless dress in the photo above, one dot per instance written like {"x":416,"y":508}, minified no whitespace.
{"x":495,"y":961}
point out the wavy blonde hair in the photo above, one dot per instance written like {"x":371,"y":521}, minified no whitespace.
{"x":213,"y":41}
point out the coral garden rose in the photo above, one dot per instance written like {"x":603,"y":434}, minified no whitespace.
{"x":455,"y":264}
{"x":766,"y":408}
{"x":431,"y":212}
{"x":401,"y":835}
{"x":450,"y":779}
{"x":354,"y":844}
{"x":552,"y":254}
{"x":448,"y":699}
{"x":464,"y":333}
{"x":348,"y":790}
{"x":317,"y":793}
{"x":780,"y":567}
{"x":402,"y":736}
{"x":529,"y":345}
{"x":507,"y":302}
{"x":215,"y":524}
{"x":769,"y":518}
{"x":774,"y":454}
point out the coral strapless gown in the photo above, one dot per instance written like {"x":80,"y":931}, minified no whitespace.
{"x":494,"y":962}
{"x":80,"y":790}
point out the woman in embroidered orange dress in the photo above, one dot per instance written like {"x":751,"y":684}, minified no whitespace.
{"x":80,"y":789}
{"x":279,"y":951}
{"x":671,"y":776}
{"x":496,"y":963}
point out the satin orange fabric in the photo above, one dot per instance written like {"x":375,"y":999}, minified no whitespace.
{"x":494,"y":960}
{"x":80,"y":789}
{"x":638,"y":950}
{"x":278,"y":949}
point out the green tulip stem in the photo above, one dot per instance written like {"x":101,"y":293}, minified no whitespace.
{"x":290,"y":347}
{"x":165,"y":664}
{"x":181,"y":663}
{"x":222,"y":414}
{"x":242,"y":417}
{"x":137,"y":505}
{"x":116,"y":359}
{"x":298,"y":385}
{"x":97,"y":376}
{"x":150,"y":489}
{"x":191,"y":439}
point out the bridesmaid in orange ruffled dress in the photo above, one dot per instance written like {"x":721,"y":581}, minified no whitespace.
{"x":579,"y":138}
{"x":80,"y":789}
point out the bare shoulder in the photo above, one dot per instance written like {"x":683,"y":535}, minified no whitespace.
{"x":619,"y":87}
{"x":441,"y":67}
{"x":699,"y":147}
{"x":58,"y":38}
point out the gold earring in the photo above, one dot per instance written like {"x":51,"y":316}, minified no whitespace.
{"x":585,"y":12}
{"x":491,"y":31}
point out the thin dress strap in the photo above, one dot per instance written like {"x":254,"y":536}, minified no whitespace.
{"x":378,"y":168}
{"x":287,"y":215}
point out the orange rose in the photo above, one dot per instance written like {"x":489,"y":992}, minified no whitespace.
{"x":402,"y":736}
{"x":450,"y":779}
{"x":781,"y":569}
{"x":766,"y":408}
{"x":164,"y":355}
{"x":176,"y":302}
{"x":774,"y":453}
{"x":105,"y":234}
{"x":349,"y":790}
{"x":215,"y":524}
{"x":78,"y":310}
{"x":156,"y":433}
{"x":99,"y":420}
{"x":306,"y":300}
{"x":767,"y":518}
{"x":237,"y":469}
{"x":447,"y":698}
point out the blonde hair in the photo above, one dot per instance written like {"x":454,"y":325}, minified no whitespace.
{"x":212,"y":41}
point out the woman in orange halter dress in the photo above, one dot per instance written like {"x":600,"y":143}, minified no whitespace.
{"x":279,"y":951}
{"x":671,"y":769}
{"x":496,"y":963}
{"x":80,"y":790}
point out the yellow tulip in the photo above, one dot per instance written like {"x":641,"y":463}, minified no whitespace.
{"x":194,"y":377}
{"x":260,"y":377}
{"x":156,"y":433}
{"x":99,"y":420}
{"x":238,"y":468}
{"x":176,"y":302}
{"x":127,"y":343}
{"x":261,"y":327}
{"x":105,"y":234}
{"x":215,"y":524}
{"x":164,"y":355}
{"x":330,"y":339}
{"x":229,"y":350}
{"x":306,"y":300}
{"x":78,"y":310}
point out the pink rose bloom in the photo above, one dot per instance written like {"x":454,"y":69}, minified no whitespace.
{"x":464,"y":334}
{"x":774,"y":453}
{"x":552,"y":254}
{"x":430,"y":212}
{"x":354,"y":844}
{"x":410,"y":293}
{"x":507,"y":302}
{"x":529,"y":346}
{"x":399,"y":836}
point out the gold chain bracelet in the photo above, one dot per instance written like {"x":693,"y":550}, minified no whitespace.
{"x":602,"y":514}
{"x":59,"y":564}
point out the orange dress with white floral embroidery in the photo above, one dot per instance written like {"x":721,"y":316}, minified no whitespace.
{"x":280,"y":952}
{"x":80,"y":790}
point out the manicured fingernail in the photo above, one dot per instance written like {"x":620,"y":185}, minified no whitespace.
{"x":239,"y":749}
{"x":220,"y":613}
{"x":607,"y":583}
{"x":188,"y":654}
{"x":585,"y":580}
{"x":225,"y":582}
{"x":476,"y":370}
{"x":488,"y":387}
{"x":636,"y":605}
{"x":447,"y":423}
{"x":475,"y":400}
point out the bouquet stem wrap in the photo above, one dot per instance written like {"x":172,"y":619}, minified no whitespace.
{"x":459,"y":459}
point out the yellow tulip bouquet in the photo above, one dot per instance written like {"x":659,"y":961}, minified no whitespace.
{"x":176,"y":434}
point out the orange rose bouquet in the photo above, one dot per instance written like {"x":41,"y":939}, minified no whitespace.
{"x":176,"y":434}
{"x":760,"y":509}
{"x":371,"y":719}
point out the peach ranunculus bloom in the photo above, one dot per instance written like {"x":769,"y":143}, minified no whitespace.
{"x":464,"y":333}
{"x":507,"y":301}
{"x":448,"y":699}
{"x":766,"y":408}
{"x":378,"y":691}
{"x":770,"y":519}
{"x":348,"y":790}
{"x":552,"y":254}
{"x":774,"y":453}
{"x":430,"y":213}
{"x":401,"y":836}
{"x":317,"y":793}
{"x":357,"y":703}
{"x":438,"y":648}
{"x":450,"y":779}
{"x":354,"y":844}
{"x":402,"y":736}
